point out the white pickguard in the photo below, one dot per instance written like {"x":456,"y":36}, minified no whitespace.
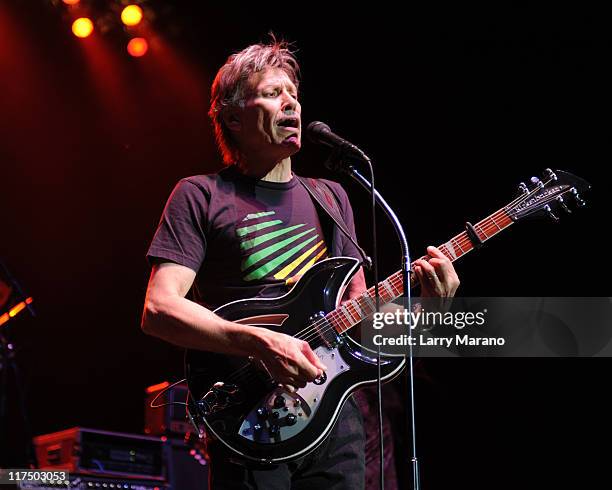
{"x":275,"y":423}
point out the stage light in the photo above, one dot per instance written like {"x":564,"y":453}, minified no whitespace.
{"x":71,"y":2}
{"x":82,"y":27}
{"x":157,"y":387}
{"x":137,"y":47}
{"x":15,"y":310}
{"x":131,"y":15}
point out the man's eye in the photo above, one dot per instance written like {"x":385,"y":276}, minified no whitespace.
{"x":271,"y":93}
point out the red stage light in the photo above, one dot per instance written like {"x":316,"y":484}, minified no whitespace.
{"x":138,"y":47}
{"x":82,"y":27}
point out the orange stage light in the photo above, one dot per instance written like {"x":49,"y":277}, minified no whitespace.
{"x":157,"y":387}
{"x":82,"y":27}
{"x":71,"y":2}
{"x":131,"y":15}
{"x":15,"y":310}
{"x":138,"y":47}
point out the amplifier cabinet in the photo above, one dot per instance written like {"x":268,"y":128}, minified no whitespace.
{"x":97,"y":452}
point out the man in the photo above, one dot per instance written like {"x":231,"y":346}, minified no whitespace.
{"x":252,"y":230}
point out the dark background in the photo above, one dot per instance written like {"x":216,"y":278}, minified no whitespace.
{"x":455,"y":104}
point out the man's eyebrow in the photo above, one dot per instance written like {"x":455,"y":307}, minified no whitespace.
{"x":268,"y":85}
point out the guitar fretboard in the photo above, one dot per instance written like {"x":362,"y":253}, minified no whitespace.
{"x":354,"y":311}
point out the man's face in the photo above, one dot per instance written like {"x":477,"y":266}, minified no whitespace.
{"x":269,"y":126}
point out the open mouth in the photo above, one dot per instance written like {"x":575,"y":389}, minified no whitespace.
{"x":289,"y":122}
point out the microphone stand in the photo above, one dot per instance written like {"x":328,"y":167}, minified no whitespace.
{"x":335,"y":162}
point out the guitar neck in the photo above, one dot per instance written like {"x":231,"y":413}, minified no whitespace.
{"x":354,"y":311}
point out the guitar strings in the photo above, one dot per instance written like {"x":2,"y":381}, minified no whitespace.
{"x":462,"y":240}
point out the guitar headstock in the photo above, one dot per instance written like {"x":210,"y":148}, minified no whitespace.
{"x":557,"y":191}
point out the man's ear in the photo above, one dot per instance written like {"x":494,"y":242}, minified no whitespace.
{"x":232,"y":121}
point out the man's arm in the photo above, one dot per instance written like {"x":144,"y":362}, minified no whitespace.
{"x":175,"y":319}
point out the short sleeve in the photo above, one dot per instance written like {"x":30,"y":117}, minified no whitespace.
{"x":180,"y":235}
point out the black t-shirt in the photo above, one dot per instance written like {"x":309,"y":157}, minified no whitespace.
{"x":246,"y":237}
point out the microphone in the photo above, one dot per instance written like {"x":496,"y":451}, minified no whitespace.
{"x":320,"y":134}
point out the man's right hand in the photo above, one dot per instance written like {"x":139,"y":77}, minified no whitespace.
{"x":172,"y":317}
{"x":289,"y":361}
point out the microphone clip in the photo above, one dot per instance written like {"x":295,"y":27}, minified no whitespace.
{"x":337,"y":161}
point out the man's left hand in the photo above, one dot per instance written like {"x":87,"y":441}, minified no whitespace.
{"x":436,"y":275}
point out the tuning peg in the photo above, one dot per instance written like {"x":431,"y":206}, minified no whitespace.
{"x":561,"y":202}
{"x":523,"y":188}
{"x":550,"y":213}
{"x":537,"y":182}
{"x":550,"y":174}
{"x":577,"y":197}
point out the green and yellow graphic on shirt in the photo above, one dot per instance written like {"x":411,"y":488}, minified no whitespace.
{"x":266,"y":244}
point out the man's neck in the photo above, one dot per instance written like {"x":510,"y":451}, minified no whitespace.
{"x":279,"y":172}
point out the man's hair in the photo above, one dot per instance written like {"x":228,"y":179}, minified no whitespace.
{"x":229,"y":87}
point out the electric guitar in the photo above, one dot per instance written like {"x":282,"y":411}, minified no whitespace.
{"x":236,"y":402}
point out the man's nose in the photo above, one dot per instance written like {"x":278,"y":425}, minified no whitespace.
{"x":289,"y":103}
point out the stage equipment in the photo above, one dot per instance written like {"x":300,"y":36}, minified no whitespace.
{"x":170,"y":419}
{"x":96,"y":452}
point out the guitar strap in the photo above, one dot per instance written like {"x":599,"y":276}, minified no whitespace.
{"x":324,"y":196}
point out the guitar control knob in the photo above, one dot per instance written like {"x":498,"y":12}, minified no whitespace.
{"x":262,"y":412}
{"x":319,"y":380}
{"x":291,"y":419}
{"x":279,"y":401}
{"x":257,"y":427}
{"x":275,"y":415}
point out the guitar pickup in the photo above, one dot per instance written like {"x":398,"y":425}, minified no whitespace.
{"x":324,"y":330}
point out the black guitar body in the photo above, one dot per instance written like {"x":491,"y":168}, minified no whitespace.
{"x":235,"y":400}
